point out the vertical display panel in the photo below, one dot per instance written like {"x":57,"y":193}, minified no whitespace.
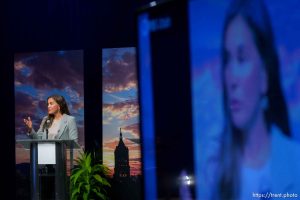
{"x":121,"y":125}
{"x":166,"y":100}
{"x":37,"y":76}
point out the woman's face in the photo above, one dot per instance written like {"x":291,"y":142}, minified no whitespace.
{"x":245,"y":76}
{"x":53,"y":106}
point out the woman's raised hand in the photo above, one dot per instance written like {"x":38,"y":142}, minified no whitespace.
{"x":28,"y":124}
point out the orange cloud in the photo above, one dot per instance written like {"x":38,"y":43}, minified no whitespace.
{"x":22,"y":155}
{"x":119,"y":73}
{"x":19,"y":65}
{"x":133,"y":129}
{"x":122,"y":110}
{"x":111,"y":144}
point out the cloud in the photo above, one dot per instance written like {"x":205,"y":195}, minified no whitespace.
{"x":134,"y":130}
{"x":136,"y":159}
{"x":117,"y":98}
{"x":73,"y":94}
{"x":25,"y":106}
{"x":124,"y":110}
{"x":22,"y":155}
{"x":19,"y":65}
{"x":120,"y":73}
{"x":107,"y":121}
{"x":77,"y":106}
{"x":132,"y":146}
{"x":135,"y":168}
{"x":111,"y":144}
{"x":48,"y":70}
{"x":26,"y":103}
{"x":135,"y":140}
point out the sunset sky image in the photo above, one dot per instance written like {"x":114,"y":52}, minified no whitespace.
{"x":120,"y":106}
{"x":38,"y":75}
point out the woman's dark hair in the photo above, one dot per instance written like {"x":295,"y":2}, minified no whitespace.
{"x":60,"y":100}
{"x":256,"y":16}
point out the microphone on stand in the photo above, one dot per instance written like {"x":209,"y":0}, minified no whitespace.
{"x":47,"y":126}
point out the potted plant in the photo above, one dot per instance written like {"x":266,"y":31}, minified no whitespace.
{"x":89,"y":178}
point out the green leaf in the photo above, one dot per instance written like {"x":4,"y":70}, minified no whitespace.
{"x":85,"y":196}
{"x":88,"y":178}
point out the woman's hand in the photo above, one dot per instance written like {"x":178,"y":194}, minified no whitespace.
{"x":28,"y":124}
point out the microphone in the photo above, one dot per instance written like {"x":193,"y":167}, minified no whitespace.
{"x":47,"y":126}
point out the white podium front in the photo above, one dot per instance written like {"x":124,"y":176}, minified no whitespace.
{"x":46,"y":153}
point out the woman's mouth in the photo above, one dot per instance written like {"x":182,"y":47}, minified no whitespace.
{"x":235,"y":105}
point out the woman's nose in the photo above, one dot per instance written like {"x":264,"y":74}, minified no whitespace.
{"x":232,"y":75}
{"x":234,"y":69}
{"x":233,"y":84}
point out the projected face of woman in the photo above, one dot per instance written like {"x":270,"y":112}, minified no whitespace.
{"x":53,"y":106}
{"x":245,"y":76}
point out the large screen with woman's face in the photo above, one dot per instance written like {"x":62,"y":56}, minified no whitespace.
{"x":245,"y":77}
{"x":245,"y":97}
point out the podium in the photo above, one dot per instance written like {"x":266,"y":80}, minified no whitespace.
{"x":49,"y":152}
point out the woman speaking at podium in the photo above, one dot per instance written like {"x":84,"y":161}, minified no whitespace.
{"x":58,"y":124}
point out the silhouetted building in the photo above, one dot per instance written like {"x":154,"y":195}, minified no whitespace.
{"x":122,"y":168}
